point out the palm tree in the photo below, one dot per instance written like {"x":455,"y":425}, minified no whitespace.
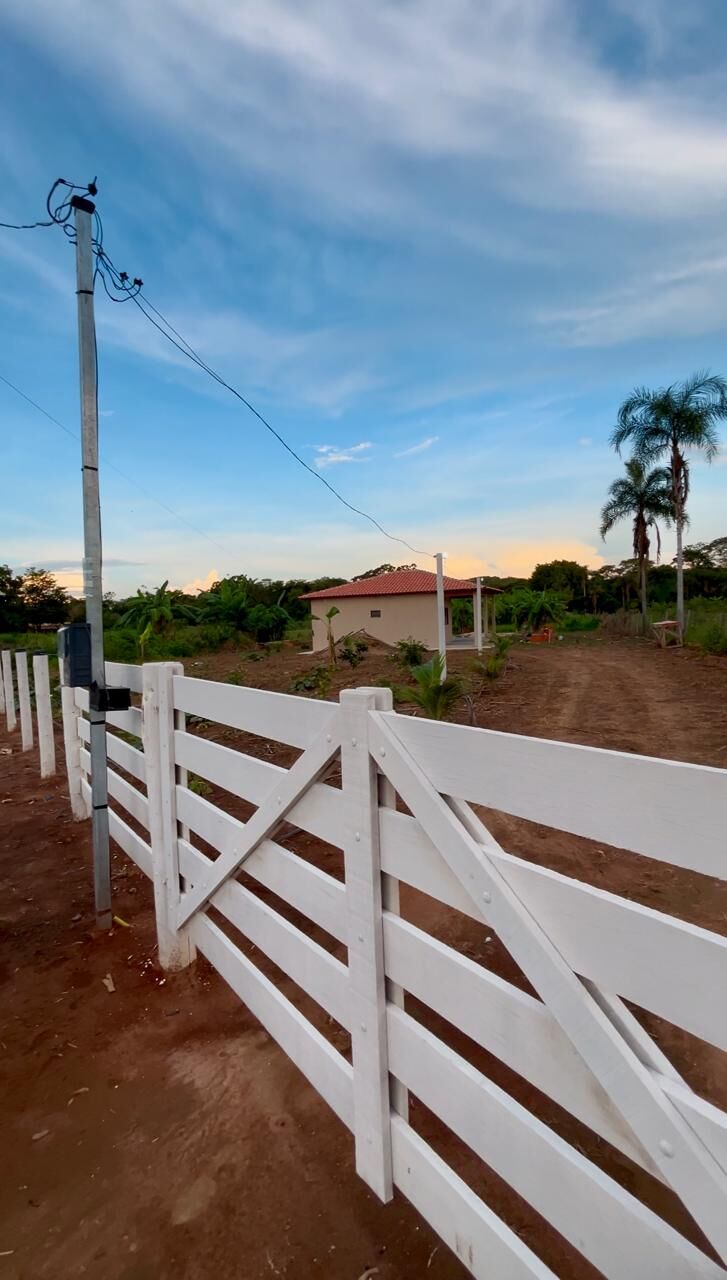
{"x":643,"y":496}
{"x":226,"y":602}
{"x":668,"y":422}
{"x":435,"y":693}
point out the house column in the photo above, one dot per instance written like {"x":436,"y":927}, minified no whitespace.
{"x":441,"y":625}
{"x":477,"y":603}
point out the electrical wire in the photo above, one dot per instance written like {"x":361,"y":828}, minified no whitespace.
{"x":111,"y":466}
{"x":119,"y":288}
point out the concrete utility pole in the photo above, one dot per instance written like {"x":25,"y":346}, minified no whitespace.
{"x":83,"y":214}
{"x":441,"y":624}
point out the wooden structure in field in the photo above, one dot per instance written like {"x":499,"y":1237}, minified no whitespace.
{"x":584,"y":952}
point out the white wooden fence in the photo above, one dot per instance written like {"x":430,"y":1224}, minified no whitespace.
{"x":23,"y":702}
{"x":583,"y":950}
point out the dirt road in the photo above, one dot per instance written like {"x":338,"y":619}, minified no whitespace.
{"x":154,"y":1131}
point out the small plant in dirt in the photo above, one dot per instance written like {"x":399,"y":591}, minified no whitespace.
{"x":352,"y":650}
{"x":317,"y":681}
{"x":235,"y":677}
{"x":410,"y":652}
{"x":198,"y":785}
{"x":714,"y":638}
{"x":330,"y":615}
{"x":434,"y":692}
{"x":255,"y":655}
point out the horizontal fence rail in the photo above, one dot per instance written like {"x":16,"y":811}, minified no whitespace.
{"x":373,"y":972}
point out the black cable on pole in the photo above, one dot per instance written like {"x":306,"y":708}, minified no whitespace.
{"x":119,"y":288}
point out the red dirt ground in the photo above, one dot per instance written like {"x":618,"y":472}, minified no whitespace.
{"x":156,"y":1131}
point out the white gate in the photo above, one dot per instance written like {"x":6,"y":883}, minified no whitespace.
{"x":584,"y":951}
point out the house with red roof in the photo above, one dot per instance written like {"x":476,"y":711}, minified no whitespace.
{"x":391,"y":607}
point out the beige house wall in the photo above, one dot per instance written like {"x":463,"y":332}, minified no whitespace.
{"x":400,"y":616}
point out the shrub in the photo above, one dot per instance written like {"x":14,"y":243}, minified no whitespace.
{"x":267,"y":622}
{"x":410,"y":652}
{"x":713,"y":638}
{"x":580,"y":622}
{"x":198,"y":785}
{"x":352,"y":650}
{"x":317,"y":681}
{"x":435,"y":693}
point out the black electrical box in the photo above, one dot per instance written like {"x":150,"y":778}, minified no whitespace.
{"x":109,"y":699}
{"x":74,"y":655}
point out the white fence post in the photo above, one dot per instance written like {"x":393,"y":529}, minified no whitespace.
{"x":367,"y":985}
{"x":26,"y":711}
{"x":72,"y":744}
{"x":44,"y":715}
{"x":390,"y":898}
{"x":9,"y":689}
{"x":176,"y":949}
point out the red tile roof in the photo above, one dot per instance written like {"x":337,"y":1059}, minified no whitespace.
{"x":403,"y":582}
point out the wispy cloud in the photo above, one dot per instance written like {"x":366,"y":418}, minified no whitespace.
{"x":417,"y":448}
{"x":330,"y":455}
{"x":585,"y":441}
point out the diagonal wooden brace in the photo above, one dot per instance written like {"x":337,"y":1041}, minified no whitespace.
{"x":283,"y":795}
{"x":684,"y":1161}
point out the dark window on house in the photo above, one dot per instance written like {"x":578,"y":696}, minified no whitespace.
{"x":375,"y":613}
{"x":446,"y":615}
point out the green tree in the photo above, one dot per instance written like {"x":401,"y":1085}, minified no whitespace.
{"x":12,"y":609}
{"x":42,"y":598}
{"x":226,"y":602}
{"x":568,"y":577}
{"x":267,"y":622}
{"x":644,"y":497}
{"x":665,"y":424}
{"x":382,"y":568}
{"x":157,"y":610}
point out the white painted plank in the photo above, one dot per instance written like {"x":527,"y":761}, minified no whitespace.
{"x":26,"y":712}
{"x":175,"y":947}
{"x":322,"y":1065}
{"x":311,"y":891}
{"x":609,"y":1226}
{"x":669,"y":810}
{"x":319,"y":811}
{"x":280,"y":716}
{"x":366,"y":977}
{"x":9,"y":690}
{"x":481,"y":1240}
{"x":134,"y":801}
{"x":131,"y":843}
{"x":663,"y":964}
{"x":522,"y":1032}
{"x":685,"y":1162}
{"x":124,"y":675}
{"x":309,"y":965}
{"x":44,"y":715}
{"x":72,"y":723}
{"x":307,"y":770}
{"x":130,"y":721}
{"x":122,"y":753}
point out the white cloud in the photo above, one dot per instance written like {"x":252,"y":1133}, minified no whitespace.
{"x":417,"y":448}
{"x":330,"y":455}
{"x":585,"y":441}
{"x":197,"y":585}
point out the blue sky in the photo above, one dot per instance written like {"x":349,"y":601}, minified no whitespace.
{"x":435,"y":243}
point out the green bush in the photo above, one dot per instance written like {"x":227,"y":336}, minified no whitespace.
{"x":317,"y":681}
{"x":580,"y":622}
{"x":434,"y":692}
{"x":352,"y":650}
{"x":410,"y":652}
{"x":713,"y":638}
{"x":267,"y":622}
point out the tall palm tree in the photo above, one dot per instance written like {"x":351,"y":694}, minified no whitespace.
{"x":665,"y":424}
{"x":645,"y":497}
